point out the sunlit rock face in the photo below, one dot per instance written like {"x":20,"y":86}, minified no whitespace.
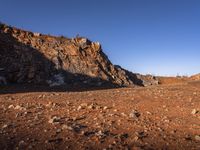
{"x":27,"y":57}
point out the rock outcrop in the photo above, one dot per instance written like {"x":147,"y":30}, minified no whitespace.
{"x":27,"y":57}
{"x":195,"y":77}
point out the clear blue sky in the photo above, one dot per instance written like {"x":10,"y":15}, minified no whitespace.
{"x":161,"y":37}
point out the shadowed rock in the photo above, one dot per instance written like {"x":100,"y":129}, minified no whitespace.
{"x":27,"y":57}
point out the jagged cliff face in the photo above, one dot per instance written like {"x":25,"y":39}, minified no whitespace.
{"x":27,"y":57}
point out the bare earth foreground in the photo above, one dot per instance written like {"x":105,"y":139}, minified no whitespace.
{"x":157,"y":117}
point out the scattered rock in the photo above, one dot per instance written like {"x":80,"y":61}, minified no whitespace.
{"x":188,"y":138}
{"x":134,"y":114}
{"x":149,"y":113}
{"x":11,"y":98}
{"x":10,"y":106}
{"x":4,"y":126}
{"x":197,"y":137}
{"x":21,"y":143}
{"x":66,"y":127}
{"x":194,"y":111}
{"x":105,"y":107}
{"x":92,"y":106}
{"x":56,"y":140}
{"x":141,"y":134}
{"x":82,"y":106}
{"x":58,"y":131}
{"x":54,"y":120}
{"x":18,"y":107}
{"x":101,"y":134}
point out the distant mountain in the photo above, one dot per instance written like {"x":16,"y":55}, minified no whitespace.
{"x":27,"y":57}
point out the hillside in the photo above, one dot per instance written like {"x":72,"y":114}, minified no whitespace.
{"x":27,"y":57}
{"x":195,"y":77}
{"x":59,"y":93}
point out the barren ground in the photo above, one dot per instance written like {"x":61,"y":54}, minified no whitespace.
{"x":158,"y":117}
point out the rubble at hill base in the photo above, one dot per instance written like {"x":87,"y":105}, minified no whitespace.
{"x":27,"y":57}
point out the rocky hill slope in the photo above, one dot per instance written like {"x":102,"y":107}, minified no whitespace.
{"x":195,"y":77}
{"x":27,"y":57}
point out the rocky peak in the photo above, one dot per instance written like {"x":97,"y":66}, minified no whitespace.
{"x":27,"y":57}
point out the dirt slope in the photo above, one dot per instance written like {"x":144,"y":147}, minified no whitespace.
{"x":157,"y":117}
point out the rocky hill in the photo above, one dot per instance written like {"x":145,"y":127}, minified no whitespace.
{"x":27,"y":57}
{"x":195,"y":77}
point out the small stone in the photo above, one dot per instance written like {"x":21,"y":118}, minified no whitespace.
{"x":10,"y":98}
{"x":56,"y":140}
{"x":149,"y":113}
{"x":30,"y":147}
{"x":40,"y":96}
{"x":18,"y":107}
{"x":141,"y":135}
{"x":80,"y":107}
{"x":123,"y":114}
{"x":173,"y":131}
{"x":66,"y":127}
{"x":100,"y":133}
{"x":91,"y":106}
{"x":4,"y":126}
{"x":194,"y":111}
{"x":58,"y":130}
{"x":11,"y":106}
{"x":166,"y":120}
{"x":21,"y":143}
{"x":105,"y":107}
{"x":134,"y":114}
{"x":197,"y":137}
{"x":194,"y":93}
{"x":136,"y":138}
{"x":188,"y":137}
{"x":55,"y":119}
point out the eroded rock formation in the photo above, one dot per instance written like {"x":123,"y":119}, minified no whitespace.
{"x":27,"y":57}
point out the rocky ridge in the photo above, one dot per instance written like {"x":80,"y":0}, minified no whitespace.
{"x":195,"y":77}
{"x":27,"y":57}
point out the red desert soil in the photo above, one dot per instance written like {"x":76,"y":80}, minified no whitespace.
{"x":157,"y":117}
{"x":173,"y":80}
